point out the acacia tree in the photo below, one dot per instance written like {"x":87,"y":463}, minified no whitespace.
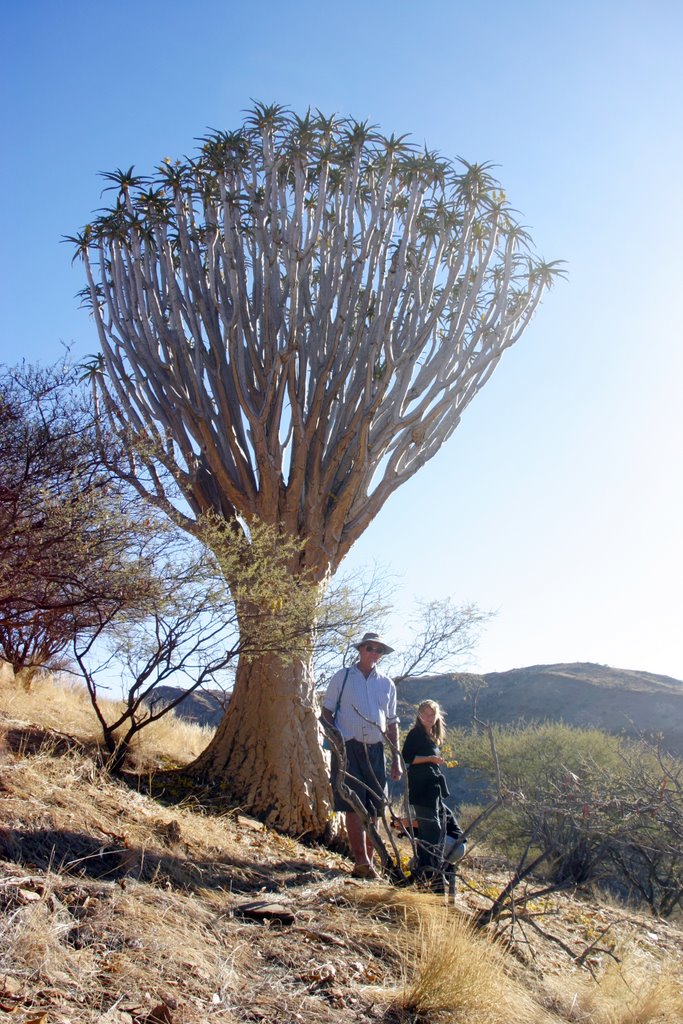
{"x":581,"y":805}
{"x":447,"y":633}
{"x":73,"y":546}
{"x":291,"y":325}
{"x":187,"y":632}
{"x":647,"y":795}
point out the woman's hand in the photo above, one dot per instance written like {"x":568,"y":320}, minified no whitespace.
{"x":428,"y":759}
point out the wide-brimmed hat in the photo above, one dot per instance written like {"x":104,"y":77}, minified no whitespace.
{"x":374,"y":638}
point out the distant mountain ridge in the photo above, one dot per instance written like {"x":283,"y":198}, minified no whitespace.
{"x":580,"y":694}
{"x":584,"y":695}
{"x":202,"y":707}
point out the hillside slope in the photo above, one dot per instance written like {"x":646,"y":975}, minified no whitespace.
{"x":120,"y":908}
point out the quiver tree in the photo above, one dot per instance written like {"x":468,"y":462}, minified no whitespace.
{"x":291,"y":324}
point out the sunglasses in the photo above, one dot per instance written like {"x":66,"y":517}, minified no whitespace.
{"x":374,"y":648}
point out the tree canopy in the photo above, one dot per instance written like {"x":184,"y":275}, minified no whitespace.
{"x":293,"y":321}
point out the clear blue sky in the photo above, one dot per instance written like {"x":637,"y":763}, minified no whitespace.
{"x":558,"y":501}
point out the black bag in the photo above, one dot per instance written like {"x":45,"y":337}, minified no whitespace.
{"x":326,"y":725}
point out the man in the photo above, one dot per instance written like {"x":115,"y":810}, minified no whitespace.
{"x":360,"y":703}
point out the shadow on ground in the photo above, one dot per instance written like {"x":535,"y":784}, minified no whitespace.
{"x":82,"y":855}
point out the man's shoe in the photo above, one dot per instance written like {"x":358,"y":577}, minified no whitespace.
{"x":363,"y":871}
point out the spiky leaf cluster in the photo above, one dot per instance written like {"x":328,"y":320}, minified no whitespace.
{"x":293,"y":320}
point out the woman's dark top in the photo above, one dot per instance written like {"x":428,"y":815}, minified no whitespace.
{"x":425,"y":781}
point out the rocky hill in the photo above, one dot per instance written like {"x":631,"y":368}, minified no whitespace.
{"x":583,"y":695}
{"x":203,"y":707}
{"x":619,"y":701}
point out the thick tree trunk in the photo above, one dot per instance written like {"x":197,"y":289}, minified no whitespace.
{"x":266,"y":753}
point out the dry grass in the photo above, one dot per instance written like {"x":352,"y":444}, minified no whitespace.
{"x":449,"y":971}
{"x":116,"y":908}
{"x":62,"y":704}
{"x":637,"y":990}
{"x":460,"y":975}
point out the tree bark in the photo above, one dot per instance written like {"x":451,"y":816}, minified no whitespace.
{"x":266,"y":753}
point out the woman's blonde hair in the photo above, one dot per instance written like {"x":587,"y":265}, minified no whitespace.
{"x":438,"y":730}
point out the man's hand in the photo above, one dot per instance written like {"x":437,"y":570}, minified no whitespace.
{"x":392,"y":736}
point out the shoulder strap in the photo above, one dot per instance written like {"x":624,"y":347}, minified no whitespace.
{"x":346,"y":676}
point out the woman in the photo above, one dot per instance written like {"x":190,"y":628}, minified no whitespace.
{"x":427,"y":785}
